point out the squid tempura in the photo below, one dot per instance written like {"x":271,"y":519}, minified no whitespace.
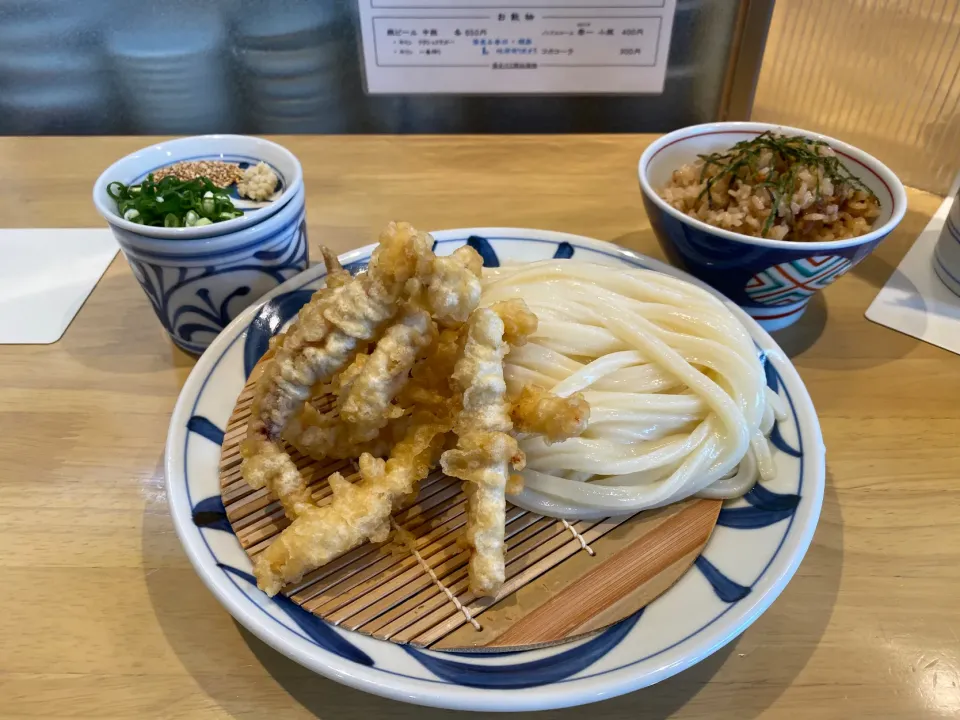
{"x":386,"y":364}
{"x":367,"y":406}
{"x":485,"y":450}
{"x":358,"y":512}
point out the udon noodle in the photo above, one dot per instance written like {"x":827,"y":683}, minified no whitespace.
{"x":678,"y":400}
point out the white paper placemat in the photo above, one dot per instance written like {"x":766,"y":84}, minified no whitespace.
{"x":45,"y":277}
{"x":914,"y":301}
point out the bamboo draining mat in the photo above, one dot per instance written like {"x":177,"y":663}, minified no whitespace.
{"x":563,"y":579}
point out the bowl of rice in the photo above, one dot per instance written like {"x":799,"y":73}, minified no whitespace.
{"x":764,"y":213}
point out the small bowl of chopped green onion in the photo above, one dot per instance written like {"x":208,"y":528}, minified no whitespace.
{"x":198,"y":186}
{"x":209,"y":225}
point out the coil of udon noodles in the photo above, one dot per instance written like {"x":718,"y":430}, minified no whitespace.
{"x":678,"y":399}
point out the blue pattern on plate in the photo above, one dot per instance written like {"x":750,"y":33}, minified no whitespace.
{"x":527,"y":674}
{"x":201,"y":301}
{"x":725,"y":588}
{"x":357,"y":266}
{"x":267,"y":323}
{"x":534,"y":673}
{"x":203,"y":427}
{"x":475,"y":654}
{"x":780,"y":444}
{"x":770,"y":373}
{"x":768,"y":500}
{"x":776,"y":438}
{"x":210,"y":513}
{"x":766,"y":508}
{"x":751,"y":518}
{"x":564,"y":251}
{"x":318,"y":630}
{"x":483,"y":246}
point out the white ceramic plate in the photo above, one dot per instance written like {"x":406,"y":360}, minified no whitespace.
{"x":756,"y":548}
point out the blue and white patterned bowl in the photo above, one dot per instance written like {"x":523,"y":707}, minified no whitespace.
{"x":241,"y":149}
{"x":754,"y":551}
{"x":198,"y":286}
{"x":773,"y":280}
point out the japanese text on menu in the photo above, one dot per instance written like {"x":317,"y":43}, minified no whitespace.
{"x":478,"y":46}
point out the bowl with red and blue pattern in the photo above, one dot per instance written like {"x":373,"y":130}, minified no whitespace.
{"x":773,"y":280}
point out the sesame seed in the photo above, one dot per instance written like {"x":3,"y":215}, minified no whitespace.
{"x":222,"y":174}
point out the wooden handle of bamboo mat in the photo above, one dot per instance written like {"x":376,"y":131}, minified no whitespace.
{"x":622,"y":577}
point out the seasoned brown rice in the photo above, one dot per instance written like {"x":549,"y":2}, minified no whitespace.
{"x":819,"y":203}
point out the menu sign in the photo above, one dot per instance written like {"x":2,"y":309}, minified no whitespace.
{"x":544,"y":46}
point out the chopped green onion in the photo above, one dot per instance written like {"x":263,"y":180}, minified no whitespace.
{"x":172,"y":202}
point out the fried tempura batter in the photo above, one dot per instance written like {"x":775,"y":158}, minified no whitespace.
{"x":282,"y":479}
{"x":327,"y":350}
{"x":340,"y":385}
{"x":367,"y":405}
{"x":485,"y":451}
{"x":321,"y":435}
{"x":328,"y":329}
{"x":556,"y":418}
{"x":336,"y":275}
{"x":452,"y":285}
{"x":358,"y":511}
{"x":325,"y":337}
{"x":429,"y":387}
{"x":518,"y":322}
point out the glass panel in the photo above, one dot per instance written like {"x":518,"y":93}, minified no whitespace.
{"x":883,"y":75}
{"x":290,"y":66}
